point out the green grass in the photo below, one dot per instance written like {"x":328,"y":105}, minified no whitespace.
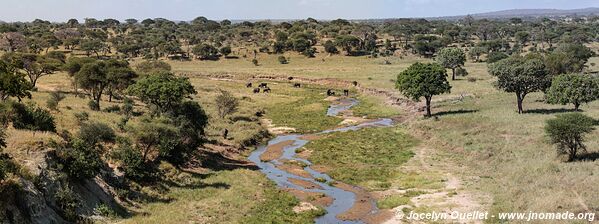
{"x":237,"y":196}
{"x":371,"y":72}
{"x":392,"y":201}
{"x":305,"y":110}
{"x":373,"y":107}
{"x":368,"y":157}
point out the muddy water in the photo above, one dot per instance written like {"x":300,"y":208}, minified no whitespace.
{"x":342,"y":200}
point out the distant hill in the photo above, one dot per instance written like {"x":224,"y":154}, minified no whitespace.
{"x":528,"y":13}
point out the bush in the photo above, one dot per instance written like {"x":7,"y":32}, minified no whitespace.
{"x":127,"y":108}
{"x":226,"y":103}
{"x":7,"y":165}
{"x":255,"y":62}
{"x":567,"y":132}
{"x":496,"y":56}
{"x":55,"y":98}
{"x":81,"y":116}
{"x":68,"y":202}
{"x":32,"y":118}
{"x":461,"y":72}
{"x":93,"y":105}
{"x":78,"y":159}
{"x":95,"y":132}
{"x":133,"y":164}
{"x":112,"y":109}
{"x":282,"y":60}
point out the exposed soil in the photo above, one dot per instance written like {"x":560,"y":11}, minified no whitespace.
{"x":314,"y":198}
{"x":294,"y":169}
{"x":305,"y":184}
{"x":363,"y":206}
{"x":275,"y":151}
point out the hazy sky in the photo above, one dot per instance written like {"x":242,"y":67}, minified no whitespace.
{"x":62,"y":10}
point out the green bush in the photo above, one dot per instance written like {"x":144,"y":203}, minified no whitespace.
{"x":7,"y":165}
{"x":68,"y":202}
{"x":78,"y":159}
{"x":96,"y":132}
{"x":81,"y":116}
{"x":133,"y":164}
{"x":93,"y":105}
{"x":496,"y":56}
{"x":282,"y":60}
{"x":32,"y":118}
{"x":567,"y":132}
{"x":55,"y":98}
{"x":127,"y":108}
{"x":112,"y":109}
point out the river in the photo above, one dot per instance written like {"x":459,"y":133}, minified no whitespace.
{"x":342,"y":200}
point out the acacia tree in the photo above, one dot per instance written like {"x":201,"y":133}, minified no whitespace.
{"x":423,"y":80}
{"x":163,"y":90}
{"x":573,"y":88}
{"x":567,"y":132}
{"x":521,"y":76}
{"x":226,"y":103}
{"x":13,"y":83}
{"x":96,"y":76}
{"x":35,"y":66}
{"x":451,"y":58}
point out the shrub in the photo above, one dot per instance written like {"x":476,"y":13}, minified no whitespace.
{"x":282,"y":60}
{"x":460,"y":71}
{"x":496,"y":56}
{"x":255,"y":62}
{"x":112,"y":109}
{"x":226,"y":103}
{"x":567,"y":132}
{"x":7,"y":165}
{"x":81,"y":116}
{"x":127,"y":108}
{"x":122,"y":125}
{"x":93,"y":105}
{"x":32,"y":118}
{"x":68,"y":202}
{"x":153,"y":66}
{"x":78,"y":159}
{"x":95,"y":132}
{"x":55,"y":98}
{"x":133,"y":164}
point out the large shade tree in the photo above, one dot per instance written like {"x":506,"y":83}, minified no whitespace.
{"x":573,"y":88}
{"x":163,"y":90}
{"x":521,"y":76}
{"x":423,"y":80}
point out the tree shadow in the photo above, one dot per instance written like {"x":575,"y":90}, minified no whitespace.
{"x":452,"y":112}
{"x":550,"y":111}
{"x":588,"y":156}
{"x":217,"y":162}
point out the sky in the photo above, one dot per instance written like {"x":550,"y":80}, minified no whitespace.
{"x":62,"y":10}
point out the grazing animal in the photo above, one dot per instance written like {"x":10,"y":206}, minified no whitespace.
{"x":290,"y":78}
{"x":346,"y":92}
{"x":266,"y":90}
{"x":263,"y":85}
{"x":297,"y":85}
{"x":355,"y":83}
{"x":249,"y":85}
{"x":256,"y":90}
{"x":330,"y":92}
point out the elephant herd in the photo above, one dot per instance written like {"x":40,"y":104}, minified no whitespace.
{"x":263,"y":87}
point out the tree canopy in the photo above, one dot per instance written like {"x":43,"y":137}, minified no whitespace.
{"x":423,"y":80}
{"x":573,"y":88}
{"x":520,"y":75}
